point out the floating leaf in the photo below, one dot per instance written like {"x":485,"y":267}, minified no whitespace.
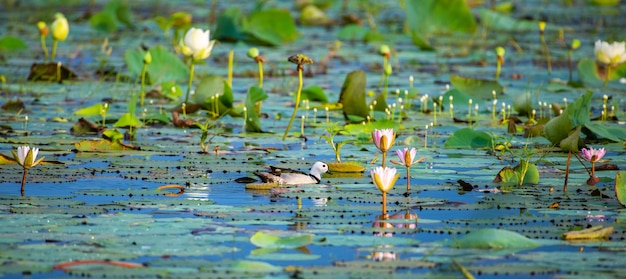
{"x":314,"y":93}
{"x":476,"y":88}
{"x":345,"y":167}
{"x":254,"y":267}
{"x":498,"y":21}
{"x":128,"y":120}
{"x":280,"y":239}
{"x":590,"y":233}
{"x":165,"y":66}
{"x":273,"y":27}
{"x":426,"y":17}
{"x":102,"y":145}
{"x":92,"y":110}
{"x":12,"y":44}
{"x":494,"y":239}
{"x":468,"y":138}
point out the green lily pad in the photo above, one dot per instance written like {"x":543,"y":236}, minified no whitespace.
{"x":476,"y":88}
{"x":352,"y":95}
{"x":468,"y":138}
{"x":494,"y":239}
{"x":280,"y":239}
{"x":426,"y":17}
{"x":165,"y":66}
{"x":620,"y":187}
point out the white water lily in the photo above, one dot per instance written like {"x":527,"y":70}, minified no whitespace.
{"x":610,"y":53}
{"x":384,"y":178}
{"x":26,"y":156}
{"x":197,"y":44}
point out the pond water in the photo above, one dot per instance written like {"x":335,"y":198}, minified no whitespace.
{"x":104,"y":212}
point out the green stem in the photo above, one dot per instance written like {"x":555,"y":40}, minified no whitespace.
{"x":295,"y":109}
{"x":569,"y":64}
{"x":143,"y":84}
{"x":191,"y":69}
{"x":546,"y":52}
{"x":44,"y":48}
{"x":54,"y":50}
{"x":260,"y":73}
{"x":231,"y":56}
{"x":384,"y":203}
{"x":24,"y":180}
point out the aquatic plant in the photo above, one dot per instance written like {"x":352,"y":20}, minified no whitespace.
{"x":384,"y":139}
{"x":43,"y":33}
{"x":573,"y":46}
{"x":299,"y":60}
{"x":544,"y":46}
{"x":384,"y":178}
{"x":60,"y":30}
{"x":500,"y":56}
{"x":197,"y":45}
{"x":610,"y":55}
{"x":407,"y":158}
{"x":26,"y":157}
{"x":593,"y":155}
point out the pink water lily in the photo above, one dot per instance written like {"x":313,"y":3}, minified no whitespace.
{"x":407,"y":159}
{"x":384,"y":139}
{"x":593,"y":155}
{"x":384,"y":178}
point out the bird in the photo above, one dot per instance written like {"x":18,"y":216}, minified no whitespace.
{"x":293,"y":177}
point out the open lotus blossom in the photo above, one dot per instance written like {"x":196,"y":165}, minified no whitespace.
{"x":593,"y":155}
{"x":197,"y":44}
{"x":407,"y":159}
{"x":27,"y":158}
{"x":384,"y":178}
{"x":610,"y":53}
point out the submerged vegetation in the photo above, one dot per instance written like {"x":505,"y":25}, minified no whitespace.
{"x":488,"y":106}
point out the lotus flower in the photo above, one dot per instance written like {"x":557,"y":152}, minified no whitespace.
{"x":610,"y":54}
{"x":197,"y":44}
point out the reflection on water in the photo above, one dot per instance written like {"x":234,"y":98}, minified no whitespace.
{"x":388,"y":223}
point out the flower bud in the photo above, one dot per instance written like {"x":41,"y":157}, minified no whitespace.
{"x":384,"y":50}
{"x":43,"y":29}
{"x":542,"y":26}
{"x":575,"y":44}
{"x":500,"y":51}
{"x":147,"y":58}
{"x":60,"y":27}
{"x":253,"y":52}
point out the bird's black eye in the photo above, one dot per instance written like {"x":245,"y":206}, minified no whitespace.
{"x":323,"y":166}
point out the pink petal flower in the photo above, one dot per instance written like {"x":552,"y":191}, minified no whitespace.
{"x":593,"y":155}
{"x":389,"y":135}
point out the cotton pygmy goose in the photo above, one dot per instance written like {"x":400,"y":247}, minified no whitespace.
{"x":292,"y":177}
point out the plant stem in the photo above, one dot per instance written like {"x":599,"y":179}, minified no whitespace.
{"x":44,"y":48}
{"x":569,"y":157}
{"x":408,"y":180}
{"x":608,"y":75}
{"x":593,"y":169}
{"x":191,"y":69}
{"x":384,"y":203}
{"x":231,"y":55}
{"x":546,"y":52}
{"x":295,"y":109}
{"x":143,"y":84}
{"x":24,"y":180}
{"x":384,"y":158}
{"x":54,"y":50}
{"x":260,"y":62}
{"x":569,"y":64}
{"x":498,"y":69}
